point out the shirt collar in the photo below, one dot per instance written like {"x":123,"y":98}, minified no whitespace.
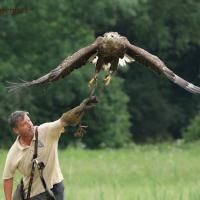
{"x":22,"y":147}
{"x":19,"y":145}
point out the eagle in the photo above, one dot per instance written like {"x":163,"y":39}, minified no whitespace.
{"x":107,"y":52}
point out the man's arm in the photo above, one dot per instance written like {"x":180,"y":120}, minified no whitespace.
{"x":71,"y":118}
{"x":8,"y":185}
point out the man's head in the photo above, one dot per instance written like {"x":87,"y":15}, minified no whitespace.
{"x":21,"y":123}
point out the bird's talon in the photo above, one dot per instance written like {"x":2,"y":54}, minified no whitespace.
{"x":107,"y":79}
{"x":92,"y":82}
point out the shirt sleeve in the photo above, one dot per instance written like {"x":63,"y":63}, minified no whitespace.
{"x":52,"y":129}
{"x":10,"y":166}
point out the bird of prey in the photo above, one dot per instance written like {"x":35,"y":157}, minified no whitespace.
{"x":108,"y":53}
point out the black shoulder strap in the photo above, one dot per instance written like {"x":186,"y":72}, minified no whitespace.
{"x":40,"y":166}
{"x":33,"y":164}
{"x":36,"y":144}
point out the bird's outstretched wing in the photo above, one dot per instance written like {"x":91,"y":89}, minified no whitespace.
{"x":144,"y":57}
{"x":77,"y":60}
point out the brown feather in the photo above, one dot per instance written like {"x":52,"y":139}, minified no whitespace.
{"x":144,"y":57}
{"x":77,"y":60}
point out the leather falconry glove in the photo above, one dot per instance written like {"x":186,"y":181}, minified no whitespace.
{"x":73,"y":117}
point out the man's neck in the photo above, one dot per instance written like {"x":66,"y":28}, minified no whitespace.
{"x":25,"y":141}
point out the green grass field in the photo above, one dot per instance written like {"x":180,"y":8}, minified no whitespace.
{"x":149,"y":172}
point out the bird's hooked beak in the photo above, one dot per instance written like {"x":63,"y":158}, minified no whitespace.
{"x":110,"y":40}
{"x":110,"y":37}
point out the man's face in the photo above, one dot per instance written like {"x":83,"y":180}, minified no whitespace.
{"x":24,"y":127}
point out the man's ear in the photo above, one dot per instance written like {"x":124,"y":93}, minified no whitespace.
{"x":15,"y":130}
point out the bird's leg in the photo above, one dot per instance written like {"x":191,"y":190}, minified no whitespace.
{"x":93,"y":81}
{"x":113,"y":68}
{"x":99,"y":65}
{"x":81,"y":130}
{"x":108,"y":78}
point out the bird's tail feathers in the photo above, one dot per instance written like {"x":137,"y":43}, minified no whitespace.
{"x":106,"y":66}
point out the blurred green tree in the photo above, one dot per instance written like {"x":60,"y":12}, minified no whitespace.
{"x":35,"y":42}
{"x":169,"y":30}
{"x":192,"y":131}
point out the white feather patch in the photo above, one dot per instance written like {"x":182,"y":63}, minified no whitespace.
{"x":128,"y":59}
{"x":94,"y":61}
{"x":90,"y":60}
{"x":175,"y":78}
{"x":106,"y":66}
{"x":190,"y":85}
{"x":125,"y":59}
{"x":122,"y":62}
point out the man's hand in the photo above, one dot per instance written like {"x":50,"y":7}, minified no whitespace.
{"x":74,"y":116}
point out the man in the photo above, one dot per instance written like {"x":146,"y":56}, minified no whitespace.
{"x":21,"y":153}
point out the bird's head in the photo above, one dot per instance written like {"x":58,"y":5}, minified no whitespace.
{"x":111,"y":37}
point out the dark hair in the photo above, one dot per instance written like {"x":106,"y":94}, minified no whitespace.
{"x":15,"y":117}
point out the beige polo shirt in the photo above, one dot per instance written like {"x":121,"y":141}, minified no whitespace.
{"x":19,"y":158}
